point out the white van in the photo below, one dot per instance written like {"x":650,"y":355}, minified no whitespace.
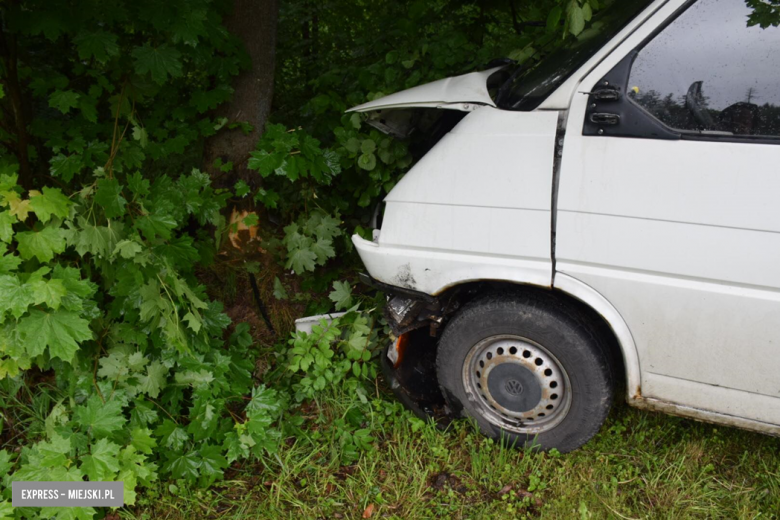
{"x":607,"y":219}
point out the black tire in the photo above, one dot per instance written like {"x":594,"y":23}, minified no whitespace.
{"x":561,"y":333}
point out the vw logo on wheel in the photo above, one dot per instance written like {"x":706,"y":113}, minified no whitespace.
{"x":513,"y":387}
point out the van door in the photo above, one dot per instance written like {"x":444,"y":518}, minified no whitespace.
{"x":669,"y":205}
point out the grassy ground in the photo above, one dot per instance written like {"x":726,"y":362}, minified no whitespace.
{"x":641,"y":465}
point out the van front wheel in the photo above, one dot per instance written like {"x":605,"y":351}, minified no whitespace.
{"x":529,"y":369}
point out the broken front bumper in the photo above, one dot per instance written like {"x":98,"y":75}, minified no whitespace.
{"x":411,"y":375}
{"x":409,"y":361}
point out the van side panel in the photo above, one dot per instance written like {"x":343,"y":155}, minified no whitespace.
{"x":683,"y":238}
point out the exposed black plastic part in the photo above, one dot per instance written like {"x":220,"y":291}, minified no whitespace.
{"x":616,"y":115}
{"x":406,"y":314}
{"x":414,"y":381}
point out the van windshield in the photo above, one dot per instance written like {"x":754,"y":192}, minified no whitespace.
{"x":529,"y":88}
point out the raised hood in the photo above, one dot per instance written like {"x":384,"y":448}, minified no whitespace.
{"x":457,"y":93}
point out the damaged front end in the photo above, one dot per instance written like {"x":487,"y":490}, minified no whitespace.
{"x":409,"y":361}
{"x":474,"y":207}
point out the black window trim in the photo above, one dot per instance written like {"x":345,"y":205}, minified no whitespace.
{"x":644,"y":124}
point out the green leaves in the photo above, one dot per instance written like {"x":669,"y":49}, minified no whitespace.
{"x":367,"y":161}
{"x":212,"y":464}
{"x":140,"y":135}
{"x":294,"y":154}
{"x":117,"y":103}
{"x":341,"y":295}
{"x":171,"y":435}
{"x":310,"y":241}
{"x":50,"y":203}
{"x":96,"y":240}
{"x":109,"y":196}
{"x":197,"y":379}
{"x":280,"y":293}
{"x":257,"y":433}
{"x":127,"y":249}
{"x":522,"y":55}
{"x":554,"y":18}
{"x":152,"y":304}
{"x":154,"y":379}
{"x":59,"y":330}
{"x":55,"y":327}
{"x":264,"y":162}
{"x":265,"y":401}
{"x":355,"y":120}
{"x":142,"y":440}
{"x":352,"y":441}
{"x":49,"y":292}
{"x":299,"y":258}
{"x":6,"y":462}
{"x":43,"y":244}
{"x":8,"y":262}
{"x":138,"y":185}
{"x":352,"y":145}
{"x":332,"y":350}
{"x":193,"y":322}
{"x":156,"y":224}
{"x":6,"y":222}
{"x":17,"y":207}
{"x":576,"y":17}
{"x":242,"y":188}
{"x":15,"y":297}
{"x":98,"y":418}
{"x":100,"y":45}
{"x":161,"y":62}
{"x":184,"y":466}
{"x":6,"y":510}
{"x":587,"y":12}
{"x":88,"y":107}
{"x":764,"y":13}
{"x":102,"y":461}
{"x":251,"y":220}
{"x":65,"y":166}
{"x":54,"y":452}
{"x":64,"y":100}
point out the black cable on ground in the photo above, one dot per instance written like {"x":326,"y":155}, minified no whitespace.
{"x":260,"y":305}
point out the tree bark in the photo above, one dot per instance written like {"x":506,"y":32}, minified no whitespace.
{"x":254,"y":23}
{"x":8,"y":51}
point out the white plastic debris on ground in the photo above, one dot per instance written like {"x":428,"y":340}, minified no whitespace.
{"x":305,"y":324}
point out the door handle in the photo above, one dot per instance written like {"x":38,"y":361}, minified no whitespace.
{"x":604,"y":118}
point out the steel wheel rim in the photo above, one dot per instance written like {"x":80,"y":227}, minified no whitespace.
{"x":507,"y":396}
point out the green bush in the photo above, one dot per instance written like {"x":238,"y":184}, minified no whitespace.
{"x":114,"y":362}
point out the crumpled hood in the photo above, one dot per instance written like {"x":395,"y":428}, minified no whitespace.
{"x":457,"y":92}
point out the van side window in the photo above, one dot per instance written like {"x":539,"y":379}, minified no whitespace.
{"x":709,"y":72}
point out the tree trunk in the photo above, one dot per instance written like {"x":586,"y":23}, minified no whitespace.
{"x":8,"y":51}
{"x":254,"y":23}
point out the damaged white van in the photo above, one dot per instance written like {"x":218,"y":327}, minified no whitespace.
{"x":606,"y":220}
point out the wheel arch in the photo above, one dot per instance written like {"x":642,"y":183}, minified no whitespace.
{"x":616,"y":325}
{"x":586,"y":298}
